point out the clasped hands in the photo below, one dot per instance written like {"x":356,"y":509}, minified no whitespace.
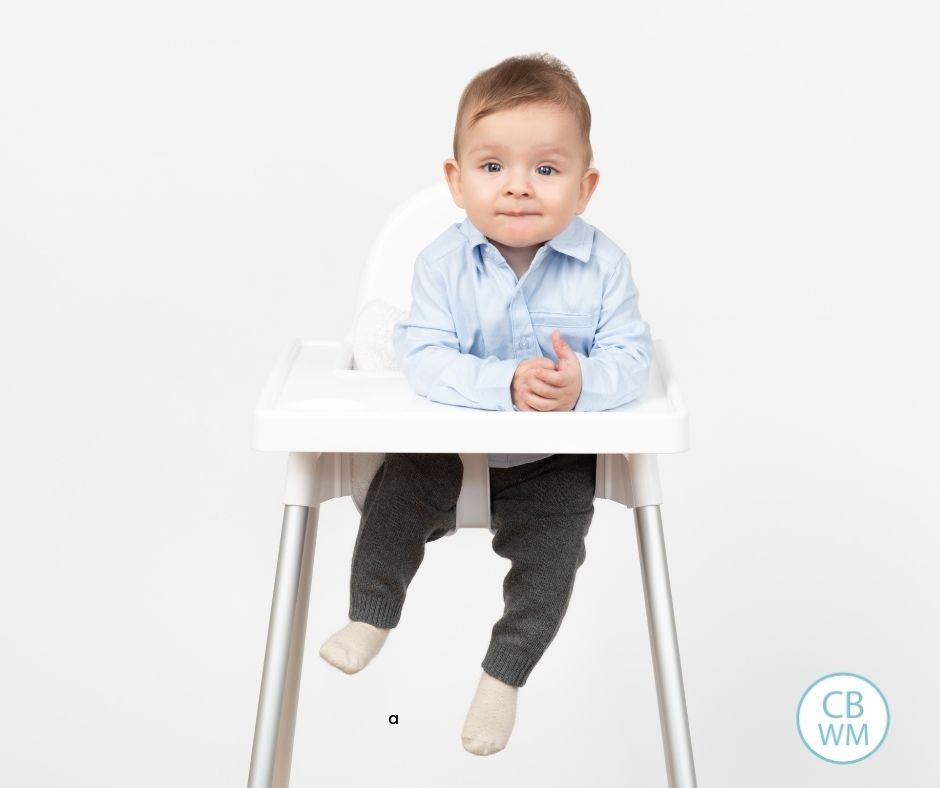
{"x":540,"y":384}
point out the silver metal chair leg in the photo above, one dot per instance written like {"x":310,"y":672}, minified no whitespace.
{"x":670,"y":693}
{"x":273,"y":742}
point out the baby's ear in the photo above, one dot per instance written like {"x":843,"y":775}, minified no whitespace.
{"x":588,"y":185}
{"x":452,"y":176}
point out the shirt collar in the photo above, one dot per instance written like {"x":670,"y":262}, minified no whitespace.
{"x":576,"y":240}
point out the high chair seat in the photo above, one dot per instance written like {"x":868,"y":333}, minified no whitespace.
{"x":336,"y":423}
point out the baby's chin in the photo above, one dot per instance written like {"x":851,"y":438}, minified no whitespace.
{"x":516,"y":242}
{"x":520,"y":238}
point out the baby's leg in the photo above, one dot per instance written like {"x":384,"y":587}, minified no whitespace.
{"x":541,"y":512}
{"x":411,"y":500}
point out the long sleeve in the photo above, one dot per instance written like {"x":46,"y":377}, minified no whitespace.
{"x":429,"y":351}
{"x":617,"y":370}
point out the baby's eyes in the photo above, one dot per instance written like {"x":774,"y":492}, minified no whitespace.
{"x":538,"y":169}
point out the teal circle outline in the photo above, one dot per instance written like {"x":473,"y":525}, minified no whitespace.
{"x":887,"y":712}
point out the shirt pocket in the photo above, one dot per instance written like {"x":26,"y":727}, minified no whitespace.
{"x":563,"y":319}
{"x":577,"y":329}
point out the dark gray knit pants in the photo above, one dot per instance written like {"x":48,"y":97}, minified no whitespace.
{"x":541,"y":512}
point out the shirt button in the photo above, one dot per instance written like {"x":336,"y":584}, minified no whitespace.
{"x":524,"y":343}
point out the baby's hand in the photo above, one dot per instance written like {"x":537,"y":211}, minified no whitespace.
{"x":523,"y":380}
{"x":547,"y":386}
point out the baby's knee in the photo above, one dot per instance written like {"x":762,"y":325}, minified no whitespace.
{"x":440,"y":474}
{"x":432,"y":464}
{"x":582,"y":555}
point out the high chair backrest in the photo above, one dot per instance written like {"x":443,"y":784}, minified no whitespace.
{"x":411,"y":227}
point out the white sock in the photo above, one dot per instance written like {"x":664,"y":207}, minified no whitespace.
{"x":491,"y":716}
{"x":353,"y":647}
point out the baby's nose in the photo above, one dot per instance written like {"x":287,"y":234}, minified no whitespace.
{"x":518,"y":184}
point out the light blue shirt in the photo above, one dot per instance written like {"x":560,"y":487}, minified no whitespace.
{"x":472,"y":321}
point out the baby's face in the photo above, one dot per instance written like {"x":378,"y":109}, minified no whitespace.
{"x":529,"y":161}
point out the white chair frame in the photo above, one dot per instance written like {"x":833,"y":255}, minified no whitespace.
{"x":313,"y":406}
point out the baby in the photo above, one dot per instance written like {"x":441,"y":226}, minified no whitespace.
{"x":522,"y":306}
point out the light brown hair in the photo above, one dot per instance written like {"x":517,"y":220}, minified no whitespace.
{"x":524,"y":79}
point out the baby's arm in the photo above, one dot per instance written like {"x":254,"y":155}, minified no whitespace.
{"x":616,"y":371}
{"x":429,"y":351}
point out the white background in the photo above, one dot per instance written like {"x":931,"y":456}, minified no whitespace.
{"x":184,"y":186}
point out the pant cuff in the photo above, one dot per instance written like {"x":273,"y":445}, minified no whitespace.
{"x":375,"y":610}
{"x":507,"y":667}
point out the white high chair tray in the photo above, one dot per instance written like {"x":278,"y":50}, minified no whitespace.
{"x":313,"y":401}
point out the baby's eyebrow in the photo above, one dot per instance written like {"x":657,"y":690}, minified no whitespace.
{"x":493,"y":146}
{"x":552,"y":149}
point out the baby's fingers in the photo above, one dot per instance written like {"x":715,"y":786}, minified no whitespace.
{"x":550,"y":376}
{"x":541,"y":362}
{"x":536,"y":402}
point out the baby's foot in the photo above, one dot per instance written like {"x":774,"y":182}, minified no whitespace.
{"x":354,"y":646}
{"x":491,"y":717}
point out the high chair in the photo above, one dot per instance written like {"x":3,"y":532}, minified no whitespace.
{"x":336,"y":422}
